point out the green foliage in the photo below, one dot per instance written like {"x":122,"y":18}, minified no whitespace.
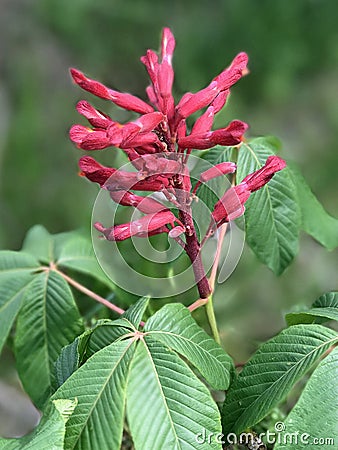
{"x":323,"y":309}
{"x":314,"y":416}
{"x":47,"y":321}
{"x":271,"y":373}
{"x":167,"y":405}
{"x":158,"y":378}
{"x":100,"y":388}
{"x":69,"y":250}
{"x":272,"y":216}
{"x":16,"y":271}
{"x":315,"y":220}
{"x":49,"y":434}
{"x":183,"y":335}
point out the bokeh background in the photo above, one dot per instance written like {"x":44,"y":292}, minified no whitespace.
{"x":291,"y":92}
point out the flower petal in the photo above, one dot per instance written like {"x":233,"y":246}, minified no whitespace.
{"x":124,"y":100}
{"x":94,"y":171}
{"x":258,"y":179}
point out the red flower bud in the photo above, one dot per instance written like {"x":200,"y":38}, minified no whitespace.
{"x":96,"y":118}
{"x":231,"y":135}
{"x":258,"y":179}
{"x":94,"y":171}
{"x":126,"y":101}
{"x":146,"y":226}
{"x":89,"y":139}
{"x":145,"y":204}
{"x":231,"y":205}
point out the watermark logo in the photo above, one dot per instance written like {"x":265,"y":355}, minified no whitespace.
{"x":254,"y":441}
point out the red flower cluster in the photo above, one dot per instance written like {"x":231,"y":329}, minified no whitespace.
{"x":158,"y":145}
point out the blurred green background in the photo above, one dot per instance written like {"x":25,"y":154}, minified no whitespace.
{"x":291,"y":92}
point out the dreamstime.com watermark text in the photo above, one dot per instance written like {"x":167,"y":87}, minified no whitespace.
{"x":279,"y":436}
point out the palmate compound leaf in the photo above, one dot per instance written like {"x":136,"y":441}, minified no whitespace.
{"x":100,"y":389}
{"x":48,"y":320}
{"x":70,"y":250}
{"x":168,"y":407}
{"x":314,"y":418}
{"x":323,"y":309}
{"x":272,"y":215}
{"x":16,"y":273}
{"x":272,"y":371}
{"x":174,"y":327}
{"x":75,"y":354}
{"x":49,"y":434}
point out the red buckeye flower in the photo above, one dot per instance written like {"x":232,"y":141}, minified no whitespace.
{"x":158,"y":144}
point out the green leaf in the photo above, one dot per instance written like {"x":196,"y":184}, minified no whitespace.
{"x":71,"y":250}
{"x":15,"y":276}
{"x":72,"y":356}
{"x":314,"y":418}
{"x":50,"y":433}
{"x":48,"y":320}
{"x":135,"y":313}
{"x":315,"y":220}
{"x":272,"y":216}
{"x":209,"y":158}
{"x":167,"y":406}
{"x":77,"y":254}
{"x":174,"y":327}
{"x":272,"y":371}
{"x":100,"y":388}
{"x":11,"y":295}
{"x":323,"y":309}
{"x":16,"y":263}
{"x":40,"y":243}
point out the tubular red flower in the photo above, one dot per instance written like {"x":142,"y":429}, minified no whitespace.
{"x":233,"y":73}
{"x":146,"y":205}
{"x":96,"y":118}
{"x":231,"y":205}
{"x":89,"y":139}
{"x":126,"y":101}
{"x":145,"y":226}
{"x":215,"y":171}
{"x":94,"y":171}
{"x":258,"y":179}
{"x":222,"y":82}
{"x":231,"y":135}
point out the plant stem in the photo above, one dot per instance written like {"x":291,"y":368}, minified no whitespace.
{"x":90,"y":293}
{"x":212,"y":278}
{"x":209,"y":309}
